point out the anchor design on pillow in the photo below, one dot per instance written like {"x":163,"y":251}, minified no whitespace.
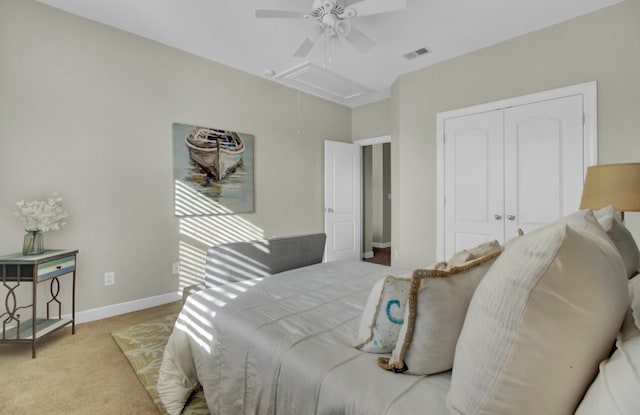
{"x":391,"y":318}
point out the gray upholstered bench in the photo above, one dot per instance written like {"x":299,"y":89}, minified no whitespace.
{"x":243,"y":261}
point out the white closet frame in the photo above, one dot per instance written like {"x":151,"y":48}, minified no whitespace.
{"x":590,"y":98}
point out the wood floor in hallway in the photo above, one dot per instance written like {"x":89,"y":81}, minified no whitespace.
{"x":380,"y":256}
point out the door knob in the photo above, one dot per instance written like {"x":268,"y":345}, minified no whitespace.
{"x":511,"y":217}
{"x":329,"y":210}
{"x":498,"y":217}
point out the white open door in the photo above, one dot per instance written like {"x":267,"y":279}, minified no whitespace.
{"x":342,"y":200}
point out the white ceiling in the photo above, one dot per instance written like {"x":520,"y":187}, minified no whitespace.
{"x":227,"y":31}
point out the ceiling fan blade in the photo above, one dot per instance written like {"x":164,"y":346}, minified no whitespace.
{"x":304,"y":49}
{"x":278,"y":14}
{"x":359,"y":40}
{"x":369,"y":7}
{"x":306,"y":46}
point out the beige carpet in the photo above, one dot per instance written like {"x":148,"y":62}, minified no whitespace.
{"x":83,"y":374}
{"x":143,"y":345}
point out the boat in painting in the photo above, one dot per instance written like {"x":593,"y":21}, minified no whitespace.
{"x":217,"y":152}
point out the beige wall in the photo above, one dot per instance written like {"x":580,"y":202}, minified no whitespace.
{"x":602,"y":46}
{"x":386,"y":191}
{"x":86,"y":110}
{"x":372,"y":120}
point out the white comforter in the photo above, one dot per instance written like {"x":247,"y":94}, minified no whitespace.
{"x":284,"y":347}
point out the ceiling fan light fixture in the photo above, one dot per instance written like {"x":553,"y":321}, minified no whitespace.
{"x":332,"y":19}
{"x":348,"y":13}
{"x":329,"y":4}
{"x":342,"y":27}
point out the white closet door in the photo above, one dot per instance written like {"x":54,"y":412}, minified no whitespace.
{"x":544,"y":162}
{"x":473,"y":154}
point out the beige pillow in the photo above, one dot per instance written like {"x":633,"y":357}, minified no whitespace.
{"x":616,"y":390}
{"x":383,"y":315}
{"x":437,"y":305}
{"x":539,"y":323}
{"x":621,"y":237}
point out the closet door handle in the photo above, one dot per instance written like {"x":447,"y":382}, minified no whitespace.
{"x":498,"y":217}
{"x":511,"y":217}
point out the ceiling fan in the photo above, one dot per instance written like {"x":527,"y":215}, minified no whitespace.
{"x":331,"y":18}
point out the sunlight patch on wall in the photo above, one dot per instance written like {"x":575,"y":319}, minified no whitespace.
{"x":199,"y":233}
{"x":192,"y":261}
{"x":190,"y":202}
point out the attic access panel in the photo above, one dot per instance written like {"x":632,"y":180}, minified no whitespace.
{"x":319,"y":81}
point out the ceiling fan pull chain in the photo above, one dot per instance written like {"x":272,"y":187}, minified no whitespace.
{"x":326,"y":53}
{"x":330,"y":50}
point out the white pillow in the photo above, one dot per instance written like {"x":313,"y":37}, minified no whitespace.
{"x":438,"y":302}
{"x":621,"y":237}
{"x":383,"y":315}
{"x":616,"y":390}
{"x":540,"y":321}
{"x":631,"y":324}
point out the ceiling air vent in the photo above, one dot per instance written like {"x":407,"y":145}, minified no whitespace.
{"x":416,"y":53}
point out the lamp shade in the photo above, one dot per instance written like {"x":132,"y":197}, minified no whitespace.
{"x":612,"y":184}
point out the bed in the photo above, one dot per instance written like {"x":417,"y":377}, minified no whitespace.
{"x":286,"y":346}
{"x":542,"y":320}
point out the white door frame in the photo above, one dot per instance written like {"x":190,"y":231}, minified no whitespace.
{"x":373,"y":140}
{"x":590,"y":157}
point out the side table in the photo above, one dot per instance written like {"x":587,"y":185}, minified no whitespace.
{"x":17,"y":269}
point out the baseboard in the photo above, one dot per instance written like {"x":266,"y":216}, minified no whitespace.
{"x":122,"y":308}
{"x":381,"y":244}
{"x":367,"y":255}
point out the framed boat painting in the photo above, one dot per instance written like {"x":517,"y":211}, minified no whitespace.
{"x":213,"y":171}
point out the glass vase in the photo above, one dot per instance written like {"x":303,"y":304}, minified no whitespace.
{"x":33,"y":243}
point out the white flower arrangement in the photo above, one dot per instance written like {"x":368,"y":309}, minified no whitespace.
{"x":42,"y":215}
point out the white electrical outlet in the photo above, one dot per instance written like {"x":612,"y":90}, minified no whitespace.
{"x":175,"y":268}
{"x":109,"y":278}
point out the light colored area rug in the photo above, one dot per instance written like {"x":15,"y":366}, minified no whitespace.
{"x":143,"y":345}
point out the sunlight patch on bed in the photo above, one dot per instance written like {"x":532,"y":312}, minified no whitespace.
{"x":197,"y":315}
{"x":196,"y":310}
{"x":199,"y":336}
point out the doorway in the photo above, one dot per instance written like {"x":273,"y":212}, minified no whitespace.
{"x":376,"y":203}
{"x":344,"y":200}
